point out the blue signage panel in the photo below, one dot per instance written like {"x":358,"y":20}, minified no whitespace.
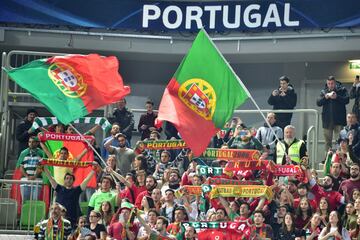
{"x":242,"y":15}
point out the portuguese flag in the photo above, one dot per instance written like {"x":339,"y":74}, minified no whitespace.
{"x":72,"y":86}
{"x":75,"y":148}
{"x":202,"y":95}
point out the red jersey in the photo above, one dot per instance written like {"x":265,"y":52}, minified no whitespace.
{"x":140,"y":197}
{"x":116,"y":230}
{"x":132,"y":192}
{"x":333,"y":197}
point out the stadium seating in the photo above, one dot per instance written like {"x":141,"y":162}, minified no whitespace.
{"x":31,"y":213}
{"x":84,"y":208}
{"x":8,"y":210}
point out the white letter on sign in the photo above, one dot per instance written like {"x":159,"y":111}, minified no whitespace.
{"x":179,"y":17}
{"x":287,"y":20}
{"x":212,"y":18}
{"x":193,"y":13}
{"x":253,"y":16}
{"x":272,"y":15}
{"x":147,"y":16}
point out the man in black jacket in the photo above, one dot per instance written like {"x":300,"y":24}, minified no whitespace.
{"x":283,"y":98}
{"x":125,"y":118}
{"x":23,"y":130}
{"x":333,"y":99}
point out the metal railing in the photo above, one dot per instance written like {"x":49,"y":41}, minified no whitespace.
{"x":312,"y":132}
{"x":314,"y":128}
{"x":20,"y":217}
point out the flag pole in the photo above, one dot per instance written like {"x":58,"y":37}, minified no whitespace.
{"x":94,"y":150}
{"x":89,"y":144}
{"x":245,"y":88}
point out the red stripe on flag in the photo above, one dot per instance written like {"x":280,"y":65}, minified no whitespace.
{"x":195,"y":130}
{"x":81,"y":173}
{"x":104,"y":83}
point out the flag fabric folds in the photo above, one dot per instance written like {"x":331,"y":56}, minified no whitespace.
{"x":202,"y":95}
{"x":75,"y":148}
{"x":72,"y":86}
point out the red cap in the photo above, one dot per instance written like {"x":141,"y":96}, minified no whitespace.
{"x":335,"y":158}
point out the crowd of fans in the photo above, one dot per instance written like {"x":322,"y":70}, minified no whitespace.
{"x":141,"y":194}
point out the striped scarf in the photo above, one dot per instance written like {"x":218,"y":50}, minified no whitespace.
{"x":45,"y":121}
{"x":50,"y":230}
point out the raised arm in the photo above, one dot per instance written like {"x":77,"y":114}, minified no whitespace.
{"x":118,"y":176}
{"x":93,"y":130}
{"x":46,"y":150}
{"x":81,"y":155}
{"x":261,"y":204}
{"x":226,"y":205}
{"x":108,"y":146}
{"x":142,"y":222}
{"x":51,"y":179}
{"x":86,"y":180}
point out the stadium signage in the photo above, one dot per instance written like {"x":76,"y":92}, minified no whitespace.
{"x":229,"y":17}
{"x":187,"y":16}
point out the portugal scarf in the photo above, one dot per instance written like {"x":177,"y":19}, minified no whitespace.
{"x":49,"y":232}
{"x":241,"y":191}
{"x":64,"y":163}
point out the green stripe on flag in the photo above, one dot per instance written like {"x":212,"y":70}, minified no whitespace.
{"x":205,"y":70}
{"x":47,"y":92}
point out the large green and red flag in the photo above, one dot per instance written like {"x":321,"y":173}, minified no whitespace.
{"x":75,"y":144}
{"x":54,"y":142}
{"x":202,"y":95}
{"x":72,"y":86}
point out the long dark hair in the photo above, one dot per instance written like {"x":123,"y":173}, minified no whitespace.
{"x":345,"y":216}
{"x":109,"y":211}
{"x":143,"y":165}
{"x":299,"y":212}
{"x":136,"y":173}
{"x":338,"y":225}
{"x":328,"y":208}
{"x":284,"y":227}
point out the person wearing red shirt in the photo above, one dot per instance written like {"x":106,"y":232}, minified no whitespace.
{"x":303,"y":213}
{"x":180,"y":215}
{"x":303,"y":192}
{"x":150,"y":185}
{"x":312,"y":229}
{"x":347,"y":187}
{"x":120,"y":229}
{"x":260,"y":229}
{"x":334,"y":198}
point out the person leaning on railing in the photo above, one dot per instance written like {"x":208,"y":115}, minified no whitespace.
{"x":29,"y":160}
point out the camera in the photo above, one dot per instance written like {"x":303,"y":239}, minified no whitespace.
{"x":243,"y":133}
